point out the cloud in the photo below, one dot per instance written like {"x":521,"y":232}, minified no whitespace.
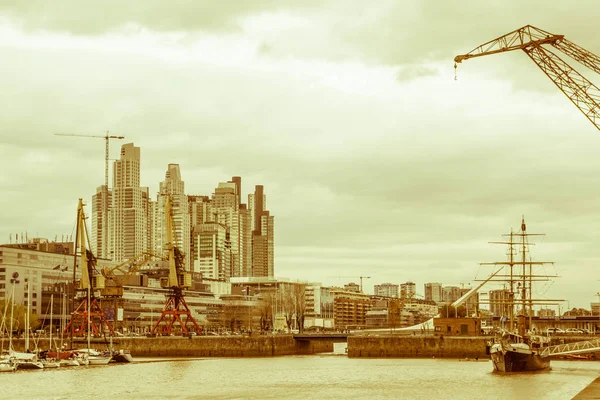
{"x":374,"y":160}
{"x":88,"y":18}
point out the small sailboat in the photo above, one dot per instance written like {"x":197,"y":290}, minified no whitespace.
{"x":45,"y":356}
{"x":95,"y":357}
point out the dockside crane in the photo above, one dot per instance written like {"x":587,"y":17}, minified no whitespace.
{"x":88,"y":315}
{"x":583,"y":93}
{"x":177,"y":281}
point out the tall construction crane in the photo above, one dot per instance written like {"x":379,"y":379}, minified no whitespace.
{"x":104,"y":216}
{"x":88,"y":316}
{"x":106,"y":138}
{"x":177,"y":281}
{"x":583,"y":93}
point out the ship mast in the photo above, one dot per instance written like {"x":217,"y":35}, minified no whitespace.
{"x":520,"y":281}
{"x":511,"y":293}
{"x":524,"y":266}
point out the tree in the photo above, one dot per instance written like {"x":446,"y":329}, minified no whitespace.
{"x":265,"y":310}
{"x":18,"y":315}
{"x":577,"y":312}
{"x":300,"y":305}
{"x":233,"y":314}
{"x":292,"y":298}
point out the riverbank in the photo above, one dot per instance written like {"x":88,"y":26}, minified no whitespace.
{"x":417,"y":347}
{"x":359,"y":346}
{"x":204,"y":346}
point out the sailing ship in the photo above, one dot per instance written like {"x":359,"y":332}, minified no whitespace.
{"x":517,"y":347}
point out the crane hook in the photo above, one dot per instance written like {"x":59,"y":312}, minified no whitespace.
{"x":455,"y":71}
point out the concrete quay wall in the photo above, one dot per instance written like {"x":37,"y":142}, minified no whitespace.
{"x":416,"y":346}
{"x":204,"y":346}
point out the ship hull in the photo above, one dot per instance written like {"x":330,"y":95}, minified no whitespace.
{"x":512,"y":361}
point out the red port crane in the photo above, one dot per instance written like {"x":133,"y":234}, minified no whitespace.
{"x":177,"y":281}
{"x":583,"y":93}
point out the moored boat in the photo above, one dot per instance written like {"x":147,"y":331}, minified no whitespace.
{"x":122,"y":356}
{"x":516,"y":348}
{"x":95,"y":357}
{"x":8,"y":365}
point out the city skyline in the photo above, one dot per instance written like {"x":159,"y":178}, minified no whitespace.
{"x":376,"y":160}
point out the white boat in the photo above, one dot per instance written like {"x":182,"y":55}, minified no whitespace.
{"x":69,"y":362}
{"x":8,"y":365}
{"x":26,"y":360}
{"x":99,"y":360}
{"x":95,"y":357}
{"x":50,"y":363}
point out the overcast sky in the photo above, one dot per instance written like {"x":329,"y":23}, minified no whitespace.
{"x":375,"y":161}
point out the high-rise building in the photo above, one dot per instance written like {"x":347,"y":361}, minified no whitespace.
{"x":450,"y":294}
{"x":212,"y":255}
{"x":595,"y":306}
{"x":200,"y":209}
{"x":433,"y":291}
{"x":128,"y":222}
{"x":386,"y":289}
{"x":225,"y":203}
{"x":174,"y":187}
{"x":245,"y":243}
{"x":499,"y":302}
{"x":262,"y":234}
{"x":352,"y":287}
{"x":408,"y":289}
{"x":101,"y":203}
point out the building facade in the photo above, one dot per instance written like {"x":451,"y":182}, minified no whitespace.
{"x":263,"y":224}
{"x":101,"y":205}
{"x":408,"y":290}
{"x":433,"y":291}
{"x":128,"y":213}
{"x":174,"y":187}
{"x":386,"y":290}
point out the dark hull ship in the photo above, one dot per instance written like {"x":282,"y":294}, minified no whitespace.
{"x":517,"y":348}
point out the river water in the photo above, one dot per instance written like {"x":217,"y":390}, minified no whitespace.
{"x":298,"y":377}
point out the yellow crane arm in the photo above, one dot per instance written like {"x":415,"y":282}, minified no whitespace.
{"x":580,"y":91}
{"x":129,"y":267}
{"x":518,"y":39}
{"x":96,"y":136}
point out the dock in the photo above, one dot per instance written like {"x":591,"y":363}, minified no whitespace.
{"x":591,"y":391}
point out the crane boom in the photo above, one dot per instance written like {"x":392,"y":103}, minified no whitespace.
{"x":106,"y":138}
{"x":580,"y":91}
